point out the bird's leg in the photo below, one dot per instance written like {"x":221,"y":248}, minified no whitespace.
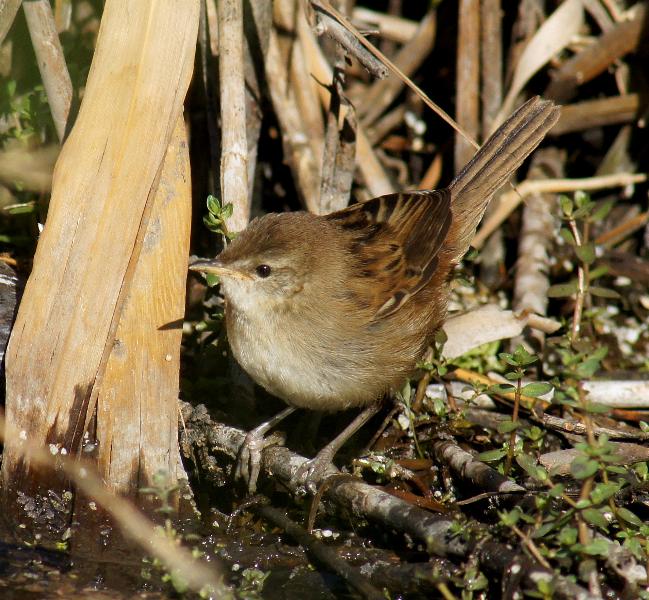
{"x":249,"y":460}
{"x":313,"y":470}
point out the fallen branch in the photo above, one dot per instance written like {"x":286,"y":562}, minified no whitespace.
{"x":349,"y":493}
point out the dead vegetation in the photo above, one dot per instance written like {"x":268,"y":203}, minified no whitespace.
{"x":516,"y":462}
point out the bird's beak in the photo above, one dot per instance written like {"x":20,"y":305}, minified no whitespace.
{"x":216,"y":267}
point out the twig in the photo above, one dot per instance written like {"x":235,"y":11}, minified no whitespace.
{"x":472,"y":470}
{"x":581,"y":287}
{"x":510,"y":200}
{"x":597,"y":113}
{"x":477,"y":378}
{"x":578,"y":428}
{"x":207,"y":37}
{"x":294,"y":135}
{"x":617,"y":234}
{"x":350,"y":493}
{"x":322,"y":553}
{"x":491,"y":62}
{"x":51,"y":62}
{"x":234,"y":143}
{"x":340,"y":145}
{"x":325,"y":23}
{"x":8,"y":11}
{"x":532,"y":547}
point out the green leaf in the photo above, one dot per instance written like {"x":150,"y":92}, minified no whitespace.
{"x":617,"y":470}
{"x":583,"y":467}
{"x":513,"y":376}
{"x":562,"y":290}
{"x":602,"y":210}
{"x":508,"y":426}
{"x":566,"y":234}
{"x":583,"y":211}
{"x":557,"y":490}
{"x":626,"y":515}
{"x":508,"y":359}
{"x":528,"y":464}
{"x":211,"y":279}
{"x":501,"y":388}
{"x":492,"y":455}
{"x":523,"y":357}
{"x":227,"y":210}
{"x":586,"y":253}
{"x":598,"y":272}
{"x":213,"y":205}
{"x":598,"y":547}
{"x":594,"y":517}
{"x":567,"y":536}
{"x":602,"y":292}
{"x":566,"y":204}
{"x":596,"y":408}
{"x":603,"y":491}
{"x":536,"y":389}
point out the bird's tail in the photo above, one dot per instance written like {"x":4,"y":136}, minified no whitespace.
{"x":493,"y":165}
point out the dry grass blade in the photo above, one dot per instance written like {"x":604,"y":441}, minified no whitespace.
{"x":510,"y":200}
{"x":376,"y":179}
{"x":554,"y":35}
{"x":133,"y":524}
{"x":388,"y":63}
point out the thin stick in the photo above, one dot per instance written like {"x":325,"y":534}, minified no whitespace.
{"x":467,"y":79}
{"x":321,"y":552}
{"x":51,"y":62}
{"x":234,"y":153}
{"x":581,"y":287}
{"x":510,"y":200}
{"x":613,"y":236}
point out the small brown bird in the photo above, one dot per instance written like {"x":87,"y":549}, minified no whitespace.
{"x":332,"y":312}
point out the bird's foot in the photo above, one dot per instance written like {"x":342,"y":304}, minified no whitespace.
{"x":313,"y":472}
{"x":249,"y":460}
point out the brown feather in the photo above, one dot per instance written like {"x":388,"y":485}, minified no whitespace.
{"x":393,"y":241}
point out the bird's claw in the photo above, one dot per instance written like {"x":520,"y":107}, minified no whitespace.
{"x":248,"y":464}
{"x":312,"y":473}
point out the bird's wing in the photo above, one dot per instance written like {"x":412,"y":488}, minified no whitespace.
{"x":394,"y":241}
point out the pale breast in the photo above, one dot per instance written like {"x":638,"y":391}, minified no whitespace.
{"x":301,"y":368}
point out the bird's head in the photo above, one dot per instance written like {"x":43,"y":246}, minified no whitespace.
{"x":267,"y":263}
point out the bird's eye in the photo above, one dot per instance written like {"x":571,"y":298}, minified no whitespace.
{"x":263,"y":270}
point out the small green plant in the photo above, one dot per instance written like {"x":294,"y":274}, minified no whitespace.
{"x":517,"y":364}
{"x":579,"y":214}
{"x":217,"y":213}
